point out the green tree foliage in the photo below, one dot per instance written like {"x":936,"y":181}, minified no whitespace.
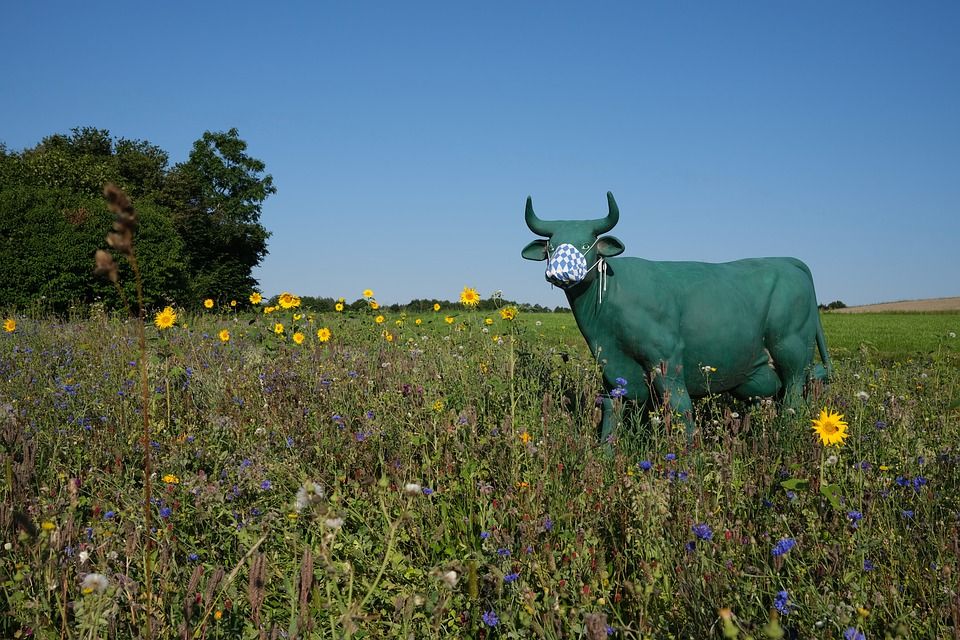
{"x":216,"y":198}
{"x":199,"y":233}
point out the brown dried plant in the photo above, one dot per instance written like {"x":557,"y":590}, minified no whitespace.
{"x":121,"y":239}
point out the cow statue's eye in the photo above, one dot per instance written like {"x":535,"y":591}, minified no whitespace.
{"x":585,"y":246}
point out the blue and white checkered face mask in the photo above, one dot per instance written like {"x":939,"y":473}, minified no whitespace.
{"x":566,"y":266}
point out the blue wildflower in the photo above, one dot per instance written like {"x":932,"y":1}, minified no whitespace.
{"x":907,"y":513}
{"x":702,"y":531}
{"x":855,"y":517}
{"x":503,"y":552}
{"x":265,"y":485}
{"x":484,"y":535}
{"x":490,"y":618}
{"x":670,"y":457}
{"x":781,"y":602}
{"x":427,"y":491}
{"x":868,"y":565}
{"x":918,"y":482}
{"x":193,"y":557}
{"x":510,"y":577}
{"x":619,"y":392}
{"x":645,"y":465}
{"x":547,"y":524}
{"x":783,"y":546}
{"x":691,"y":546}
{"x":621,"y":382}
{"x":165,"y":512}
{"x":610,"y":630}
{"x":109,"y":515}
{"x":852,"y":634}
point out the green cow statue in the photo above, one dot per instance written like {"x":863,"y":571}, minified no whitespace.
{"x":683,"y":329}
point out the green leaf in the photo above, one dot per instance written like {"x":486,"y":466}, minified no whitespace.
{"x":954,"y":405}
{"x":796,"y":484}
{"x":832,"y":493}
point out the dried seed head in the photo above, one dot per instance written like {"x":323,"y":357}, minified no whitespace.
{"x":105,"y":266}
{"x":120,"y":205}
{"x":121,"y":241}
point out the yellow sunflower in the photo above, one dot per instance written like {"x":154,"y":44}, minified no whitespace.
{"x":165,"y":318}
{"x":298,"y":337}
{"x":288,"y":300}
{"x":469,"y":297}
{"x":448,"y":319}
{"x":379,"y":319}
{"x":338,"y":307}
{"x":831,"y":428}
{"x":171,"y":479}
{"x":374,"y":305}
{"x":488,"y":321}
{"x":323,"y":334}
{"x":233,"y":303}
{"x":508,"y":313}
{"x":368,"y":293}
{"x":208,"y":303}
{"x":278,"y":328}
{"x":436,"y":306}
{"x":255,"y":298}
{"x":224,"y":335}
{"x":9,"y":325}
{"x":418,"y":322}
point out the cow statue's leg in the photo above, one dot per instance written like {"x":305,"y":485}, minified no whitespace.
{"x":670,"y":386}
{"x":791,"y":357}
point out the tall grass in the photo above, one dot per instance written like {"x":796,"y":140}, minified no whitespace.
{"x":447,"y":483}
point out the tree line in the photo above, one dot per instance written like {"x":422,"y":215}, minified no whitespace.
{"x":199,"y":233}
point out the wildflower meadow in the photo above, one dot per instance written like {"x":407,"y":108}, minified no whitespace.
{"x":437,"y":474}
{"x":254,"y":469}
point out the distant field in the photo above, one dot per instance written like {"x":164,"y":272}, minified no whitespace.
{"x":879,"y":336}
{"x":931,"y":304}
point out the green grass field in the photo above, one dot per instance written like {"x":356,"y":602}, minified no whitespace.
{"x":405,"y":480}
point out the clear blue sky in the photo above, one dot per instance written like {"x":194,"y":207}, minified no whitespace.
{"x":404,"y":137}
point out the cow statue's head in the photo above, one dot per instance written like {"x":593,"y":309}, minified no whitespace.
{"x":573,"y":248}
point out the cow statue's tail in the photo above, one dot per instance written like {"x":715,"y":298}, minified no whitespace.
{"x":824,"y":370}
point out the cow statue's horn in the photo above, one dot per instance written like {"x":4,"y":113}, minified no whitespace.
{"x":605,"y":224}
{"x":538,"y":226}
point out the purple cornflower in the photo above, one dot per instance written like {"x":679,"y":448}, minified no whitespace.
{"x":645,"y":465}
{"x":780,"y":602}
{"x":691,"y":546}
{"x":907,"y":513}
{"x":702,"y":531}
{"x":619,"y":392}
{"x":547,"y":524}
{"x":918,"y":482}
{"x":783,"y":546}
{"x":193,"y":557}
{"x":484,"y":535}
{"x":490,"y":618}
{"x":670,"y":457}
{"x":621,"y":382}
{"x":109,"y":515}
{"x":265,"y":485}
{"x":427,"y":491}
{"x":165,"y":512}
{"x":510,"y":577}
{"x":868,"y":565}
{"x":503,"y":552}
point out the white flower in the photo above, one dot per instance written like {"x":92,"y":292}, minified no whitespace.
{"x":863,"y":396}
{"x":734,"y":415}
{"x":94,"y":582}
{"x":832,"y":460}
{"x":856,"y":376}
{"x":7,"y":546}
{"x":333,"y":523}
{"x":952,"y":334}
{"x":83,"y":556}
{"x":412,"y":489}
{"x":450,"y":578}
{"x":309,"y":494}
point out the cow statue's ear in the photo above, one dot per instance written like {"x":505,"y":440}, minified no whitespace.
{"x":536,"y":250}
{"x":609,"y":246}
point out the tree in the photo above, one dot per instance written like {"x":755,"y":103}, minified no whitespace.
{"x":216,"y":198}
